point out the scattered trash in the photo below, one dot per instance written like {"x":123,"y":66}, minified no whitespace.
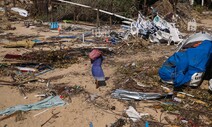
{"x":63,"y":47}
{"x":182,"y":93}
{"x":93,"y":97}
{"x":184,"y":121}
{"x":41,"y":95}
{"x":192,"y":25}
{"x":177,"y":99}
{"x":133,"y":114}
{"x":46,"y":103}
{"x":166,"y":89}
{"x":156,"y":31}
{"x":129,"y":95}
{"x":21,"y":12}
{"x":119,"y":123}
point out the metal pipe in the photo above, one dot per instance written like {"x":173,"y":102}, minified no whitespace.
{"x":103,"y":11}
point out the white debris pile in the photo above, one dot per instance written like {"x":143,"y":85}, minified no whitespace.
{"x":157,"y":31}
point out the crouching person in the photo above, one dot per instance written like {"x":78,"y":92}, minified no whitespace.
{"x":187,"y":67}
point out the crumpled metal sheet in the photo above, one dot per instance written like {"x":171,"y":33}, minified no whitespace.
{"x":130,"y":95}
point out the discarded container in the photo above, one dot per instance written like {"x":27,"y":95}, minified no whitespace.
{"x":192,"y":25}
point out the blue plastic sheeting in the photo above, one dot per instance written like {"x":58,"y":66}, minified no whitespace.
{"x":46,"y":103}
{"x":182,"y":65}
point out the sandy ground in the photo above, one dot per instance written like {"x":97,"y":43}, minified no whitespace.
{"x":80,"y":112}
{"x":206,"y":23}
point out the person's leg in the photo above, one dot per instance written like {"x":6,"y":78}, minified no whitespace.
{"x":100,"y":83}
{"x":97,"y":84}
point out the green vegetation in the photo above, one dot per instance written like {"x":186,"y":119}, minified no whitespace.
{"x":127,"y":8}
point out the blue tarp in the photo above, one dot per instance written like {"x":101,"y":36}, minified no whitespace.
{"x":46,"y":103}
{"x":182,"y":65}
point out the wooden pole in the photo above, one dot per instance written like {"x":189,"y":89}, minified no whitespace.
{"x":145,"y":8}
{"x":110,"y":21}
{"x":175,"y":6}
{"x":50,"y":8}
{"x":6,"y":11}
{"x":191,"y":2}
{"x":75,"y":15}
{"x":202,"y":2}
{"x":14,"y":3}
{"x":111,"y":10}
{"x":144,"y":3}
{"x":97,"y":19}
